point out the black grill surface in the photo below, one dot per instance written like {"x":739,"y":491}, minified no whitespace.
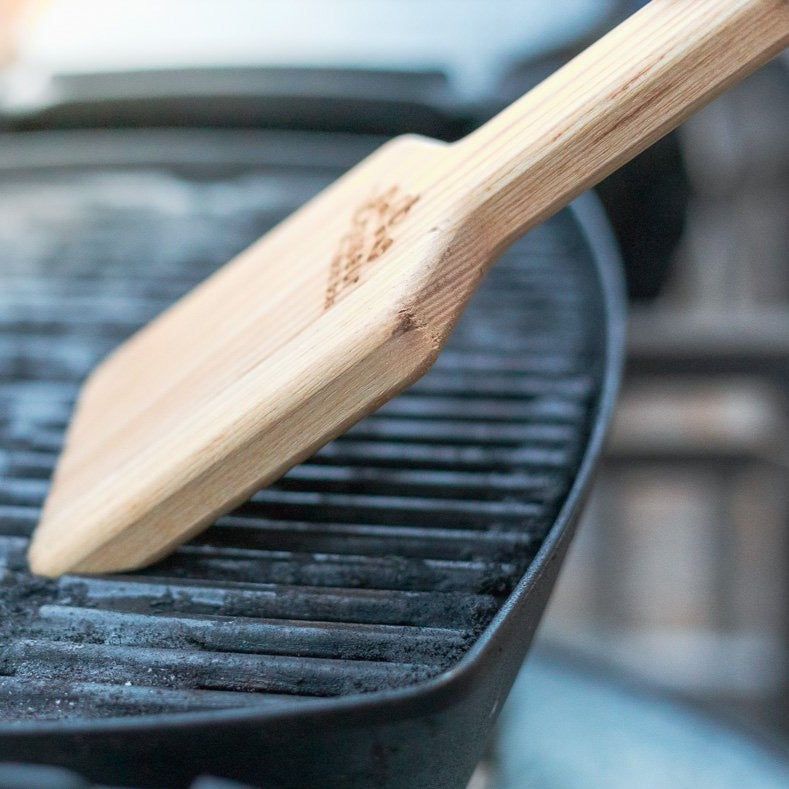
{"x":375,"y":564}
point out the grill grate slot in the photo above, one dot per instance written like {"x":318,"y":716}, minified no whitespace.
{"x":373,"y":565}
{"x":204,"y":670}
{"x":371,"y":540}
{"x":334,"y":570}
{"x":423,"y":483}
{"x":367,"y":606}
{"x":392,"y":510}
{"x":445,"y":456}
{"x":31,"y":699}
{"x":387,"y":643}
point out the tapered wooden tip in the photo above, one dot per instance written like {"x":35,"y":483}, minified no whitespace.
{"x":43,"y":562}
{"x":52,"y":554}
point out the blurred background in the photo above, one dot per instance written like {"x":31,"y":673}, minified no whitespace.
{"x":679,"y":576}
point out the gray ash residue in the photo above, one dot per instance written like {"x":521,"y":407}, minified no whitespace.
{"x":21,"y":596}
{"x":373,"y":565}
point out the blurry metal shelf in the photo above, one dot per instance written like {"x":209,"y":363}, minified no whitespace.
{"x":725,"y":342}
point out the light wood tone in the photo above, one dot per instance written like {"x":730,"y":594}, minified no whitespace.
{"x":351,"y":299}
{"x":11,"y":14}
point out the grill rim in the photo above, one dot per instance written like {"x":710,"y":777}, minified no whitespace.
{"x":450,"y":686}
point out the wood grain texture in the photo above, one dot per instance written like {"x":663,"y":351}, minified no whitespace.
{"x":351,"y":298}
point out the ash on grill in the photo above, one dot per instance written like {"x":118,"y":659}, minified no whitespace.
{"x":373,"y":565}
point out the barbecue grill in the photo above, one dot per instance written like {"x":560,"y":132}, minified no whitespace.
{"x":360,"y":622}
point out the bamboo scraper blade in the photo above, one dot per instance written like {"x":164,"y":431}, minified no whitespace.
{"x":351,"y":298}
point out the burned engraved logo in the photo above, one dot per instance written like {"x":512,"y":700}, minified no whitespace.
{"x":369,"y":236}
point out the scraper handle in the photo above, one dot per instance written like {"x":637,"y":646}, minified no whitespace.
{"x":608,"y":104}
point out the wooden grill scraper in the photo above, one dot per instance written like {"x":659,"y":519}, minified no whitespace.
{"x":351,"y":298}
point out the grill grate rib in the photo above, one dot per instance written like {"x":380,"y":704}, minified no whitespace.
{"x":373,"y":565}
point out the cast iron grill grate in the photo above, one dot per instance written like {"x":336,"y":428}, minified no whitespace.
{"x":375,"y":564}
